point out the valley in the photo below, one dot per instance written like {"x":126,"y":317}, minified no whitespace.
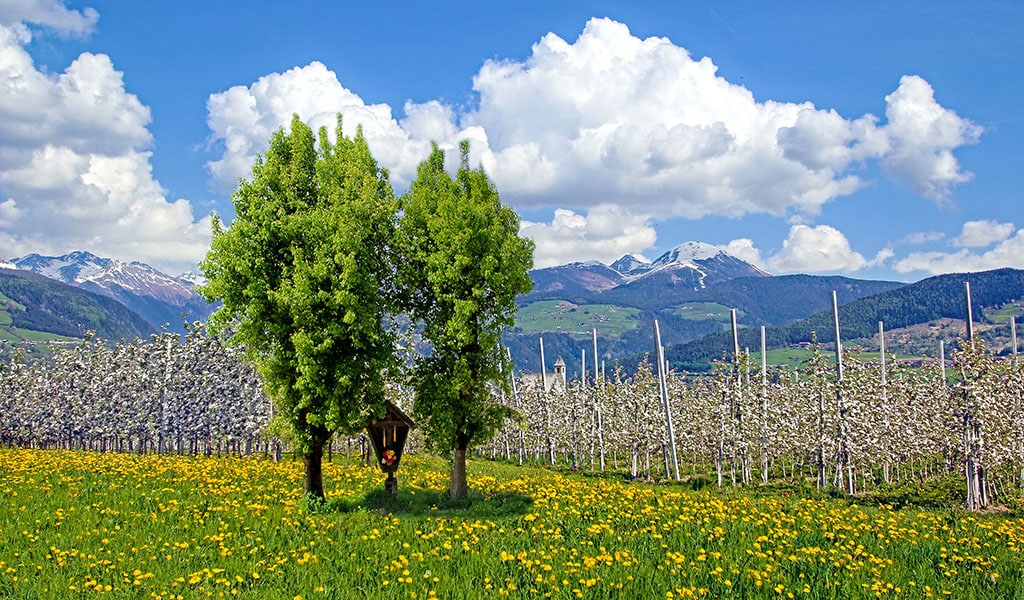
{"x":690,"y":290}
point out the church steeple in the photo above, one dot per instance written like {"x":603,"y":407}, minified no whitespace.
{"x":560,"y":372}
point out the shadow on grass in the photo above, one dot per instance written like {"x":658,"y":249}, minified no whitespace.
{"x":938,"y":492}
{"x":421,"y":502}
{"x":695,"y":483}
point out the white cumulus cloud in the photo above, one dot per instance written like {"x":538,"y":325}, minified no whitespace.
{"x":613,"y":119}
{"x":243,"y":118}
{"x":807,"y":249}
{"x":1009,"y":252}
{"x":604,"y":233}
{"x":977,"y":234}
{"x":48,"y":13}
{"x":744,"y":249}
{"x":815,"y":250}
{"x":923,"y":136}
{"x":74,"y":159}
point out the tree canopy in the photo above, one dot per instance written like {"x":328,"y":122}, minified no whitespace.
{"x":463,"y":264}
{"x":306,"y":285}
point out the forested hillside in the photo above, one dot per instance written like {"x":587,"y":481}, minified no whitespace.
{"x":35,"y":304}
{"x":929,"y":299}
{"x":684,"y":314}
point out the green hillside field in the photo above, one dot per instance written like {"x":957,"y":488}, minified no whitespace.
{"x":560,"y":316}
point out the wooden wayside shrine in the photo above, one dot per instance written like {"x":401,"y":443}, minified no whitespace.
{"x":388,"y":437}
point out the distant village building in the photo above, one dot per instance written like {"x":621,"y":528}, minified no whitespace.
{"x":556,"y":381}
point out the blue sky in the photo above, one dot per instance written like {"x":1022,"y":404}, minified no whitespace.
{"x":877,"y":140}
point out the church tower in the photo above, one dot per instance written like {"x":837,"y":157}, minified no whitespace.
{"x":560,"y":372}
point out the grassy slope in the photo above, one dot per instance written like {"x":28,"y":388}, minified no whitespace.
{"x":38,"y":304}
{"x":560,"y":316}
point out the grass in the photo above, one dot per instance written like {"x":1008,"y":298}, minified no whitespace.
{"x":41,"y":336}
{"x":579,"y":320}
{"x":10,"y":302}
{"x":706,"y":311}
{"x":77,"y":524}
{"x":1002,"y":314}
{"x":798,"y":358}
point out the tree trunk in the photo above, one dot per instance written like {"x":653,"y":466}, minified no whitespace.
{"x":457,"y":482}
{"x":312,"y":461}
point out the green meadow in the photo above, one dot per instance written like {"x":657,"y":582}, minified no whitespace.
{"x":576,"y":319}
{"x":79,"y":524}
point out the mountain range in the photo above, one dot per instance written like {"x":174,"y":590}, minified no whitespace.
{"x":160,"y":299}
{"x":37,"y":308}
{"x":690,"y":290}
{"x":691,"y":266}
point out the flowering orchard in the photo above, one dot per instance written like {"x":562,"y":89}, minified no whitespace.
{"x":165,"y":394}
{"x":193,"y":394}
{"x":869,"y":428}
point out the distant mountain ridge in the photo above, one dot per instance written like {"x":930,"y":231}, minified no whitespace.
{"x":690,"y":266}
{"x":159,"y":298}
{"x":689,"y":290}
{"x":930,"y":299}
{"x":31,"y":303}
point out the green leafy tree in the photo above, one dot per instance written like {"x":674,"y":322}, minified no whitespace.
{"x":306,"y":283}
{"x":463,"y":266}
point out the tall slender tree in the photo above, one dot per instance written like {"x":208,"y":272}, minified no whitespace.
{"x":463,"y":265}
{"x":306,"y":283}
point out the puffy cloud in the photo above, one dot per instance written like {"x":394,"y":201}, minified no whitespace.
{"x":923,"y":136}
{"x":429,"y":121}
{"x":1008,"y":253}
{"x":640,"y":121}
{"x":824,"y":249}
{"x":85,"y":108}
{"x":822,"y":139}
{"x":744,"y":249}
{"x":806,"y":249}
{"x":243,"y":118}
{"x":614,"y":118}
{"x":814,"y":250}
{"x":48,"y":13}
{"x":605,"y":233}
{"x":975,"y":234}
{"x":74,"y":166}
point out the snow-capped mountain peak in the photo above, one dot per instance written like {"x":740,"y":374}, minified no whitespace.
{"x":688,"y":252}
{"x":156,"y":296}
{"x":192,"y":278}
{"x":631,"y":264}
{"x":690,"y":264}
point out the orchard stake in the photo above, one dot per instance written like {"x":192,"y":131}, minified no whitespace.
{"x":764,"y":407}
{"x":663,"y":385}
{"x":841,"y":450}
{"x":598,"y":390}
